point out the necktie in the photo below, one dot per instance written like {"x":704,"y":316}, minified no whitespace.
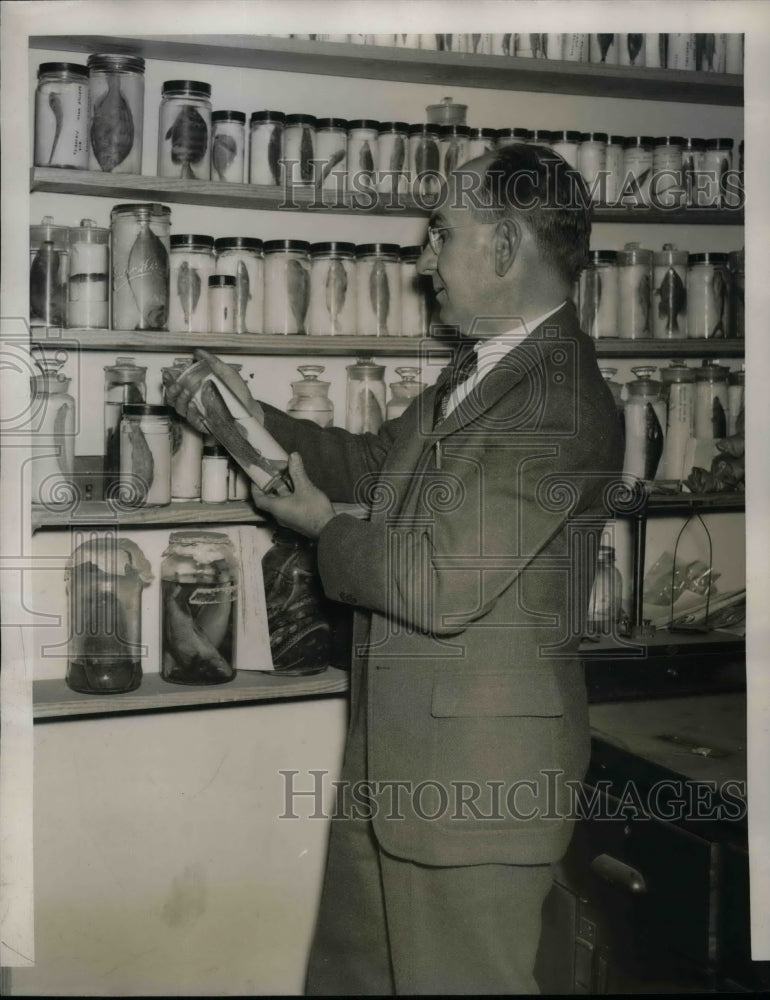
{"x":464,"y":365}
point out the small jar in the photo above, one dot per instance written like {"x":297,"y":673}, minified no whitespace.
{"x":509,"y":136}
{"x":708,"y":295}
{"x":362,"y":153}
{"x":566,"y":143}
{"x":299,"y":148}
{"x":693,"y":151}
{"x":403,"y":392}
{"x":415,"y":313}
{"x":711,"y":401}
{"x":736,"y":393}
{"x":331,"y":154}
{"x":379,"y":289}
{"x":734,"y":53}
{"x":446,"y":112}
{"x":124,"y":382}
{"x":222,"y":303}
{"x":310,"y":399}
{"x":669,"y":283}
{"x":333,"y":289}
{"x":61,"y":116}
{"x":48,"y":273}
{"x":603,"y":49}
{"x":592,"y":161}
{"x":214,"y":474}
{"x":637,"y":168}
{"x":140,"y":266}
{"x":89,"y":267}
{"x":53,"y":459}
{"x":666,"y":185}
{"x":192,"y":264}
{"x":575,"y":48}
{"x":717,"y":161}
{"x":679,"y":395}
{"x":613,"y":167}
{"x":145,"y":455}
{"x":228,"y":145}
{"x":116,"y":102}
{"x":645,"y":422}
{"x":655,"y":50}
{"x":241,"y":257}
{"x":710,"y":53}
{"x":393,"y":161}
{"x":599,"y":294}
{"x":634,"y":292}
{"x":480,"y":142}
{"x":186,"y":442}
{"x":266,"y":147}
{"x":631,"y":50}
{"x":737,"y":264}
{"x":184,"y":135}
{"x":365,"y":407}
{"x":424,"y":160}
{"x":453,"y":147}
{"x":287,"y":285}
{"x":542,"y":137}
{"x":680,"y":51}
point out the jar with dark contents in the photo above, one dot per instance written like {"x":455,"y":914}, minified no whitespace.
{"x":116,"y":99}
{"x":331,"y":154}
{"x":669,"y":290}
{"x":184,"y":133}
{"x":333,"y":289}
{"x":266,"y":147}
{"x":634,"y":292}
{"x":241,"y":257}
{"x":363,"y":152}
{"x":637,"y":169}
{"x":124,"y":382}
{"x":140,"y":266}
{"x":645,"y":423}
{"x":299,"y":137}
{"x":711,"y":400}
{"x":379,"y":289}
{"x":365,"y":409}
{"x":191,"y":265}
{"x":424,"y":160}
{"x":666,"y":186}
{"x":453,"y":148}
{"x":145,"y":455}
{"x":48,"y":273}
{"x":736,"y":400}
{"x":61,"y":116}
{"x":228,"y":141}
{"x":599,"y":294}
{"x":287,"y":285}
{"x":693,"y":150}
{"x":393,"y":160}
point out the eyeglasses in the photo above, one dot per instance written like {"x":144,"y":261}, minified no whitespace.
{"x":436,"y":236}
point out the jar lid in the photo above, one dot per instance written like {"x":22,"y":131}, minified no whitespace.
{"x":566,"y":135}
{"x":267,"y":116}
{"x":363,"y":123}
{"x":322,"y":123}
{"x":677,"y":373}
{"x":365,"y":249}
{"x":142,"y":208}
{"x":737,"y":259}
{"x":301,"y":119}
{"x":393,"y":127}
{"x":61,"y":67}
{"x":463,"y":130}
{"x":542,"y":135}
{"x":214,"y":451}
{"x":483,"y":133}
{"x":187,"y":87}
{"x":410,"y":253}
{"x":719,"y":143}
{"x":222,"y":281}
{"x":669,"y":140}
{"x":521,"y":134}
{"x":638,"y":142}
{"x":694,"y":143}
{"x":89,"y":232}
{"x":423,"y":129}
{"x":276,"y":246}
{"x":365,"y":366}
{"x":229,"y":116}
{"x":633,"y":253}
{"x":596,"y":137}
{"x":648,"y":387}
{"x":707,"y":258}
{"x":737,"y":377}
{"x":237,"y":243}
{"x":179,"y":240}
{"x":616,"y":140}
{"x":116,"y":61}
{"x":601,"y":257}
{"x":670,"y":255}
{"x":192,"y":537}
{"x":127,"y":369}
{"x":145,"y":410}
{"x":711,"y":373}
{"x":332,"y":246}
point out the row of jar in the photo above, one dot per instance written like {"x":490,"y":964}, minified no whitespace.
{"x":715,"y":53}
{"x":666,"y":295}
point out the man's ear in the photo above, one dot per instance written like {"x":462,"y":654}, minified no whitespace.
{"x":507,"y":240}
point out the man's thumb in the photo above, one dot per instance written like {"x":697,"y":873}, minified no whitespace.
{"x":297,"y":470}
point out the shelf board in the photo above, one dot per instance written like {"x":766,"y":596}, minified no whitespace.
{"x":62,"y":180}
{"x":663,"y":644}
{"x":52,"y":699}
{"x":101,"y":513}
{"x":661,"y":504}
{"x":610,"y":347}
{"x":373,"y":62}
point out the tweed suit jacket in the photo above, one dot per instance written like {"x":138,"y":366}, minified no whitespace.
{"x":471,"y":581}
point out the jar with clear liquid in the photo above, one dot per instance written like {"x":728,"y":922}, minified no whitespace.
{"x":379,"y":289}
{"x":403,"y":392}
{"x":61,"y":115}
{"x":184,"y":132}
{"x":192,"y":264}
{"x":116,"y":100}
{"x":311,"y":397}
{"x":605,"y":607}
{"x":645,"y":422}
{"x":140,"y":266}
{"x":53,"y":444}
{"x":365,"y":409}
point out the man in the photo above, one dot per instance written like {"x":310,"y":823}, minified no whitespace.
{"x":470,"y":581}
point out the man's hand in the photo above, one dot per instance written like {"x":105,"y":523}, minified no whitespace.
{"x":179,"y":392}
{"x":305,"y":511}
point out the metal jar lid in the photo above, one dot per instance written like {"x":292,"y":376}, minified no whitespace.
{"x":694,"y":143}
{"x":595,"y":137}
{"x":278,"y":246}
{"x":410,"y":253}
{"x":633,"y":253}
{"x":461,"y":130}
{"x":369,"y":123}
{"x":114,"y":62}
{"x":717,"y":259}
{"x":222,"y":281}
{"x":300,"y":120}
{"x":333,"y":248}
{"x":370,"y":249}
{"x":519,"y":134}
{"x":364,"y":367}
{"x":542,"y":135}
{"x":393,"y":127}
{"x":145,"y":410}
{"x":711,"y":373}
{"x":184,"y":241}
{"x":483,"y":133}
{"x":615,"y":140}
{"x":74,"y":69}
{"x":267,"y":116}
{"x":639,"y":142}
{"x":601,"y":257}
{"x":142,"y":208}
{"x":424,"y":129}
{"x":677,"y":373}
{"x":669,"y":140}
{"x":193,"y":88}
{"x":719,"y":143}
{"x":566,"y":135}
{"x":229,"y":116}
{"x":127,"y":370}
{"x":238,"y":243}
{"x":329,"y":123}
{"x":737,"y":259}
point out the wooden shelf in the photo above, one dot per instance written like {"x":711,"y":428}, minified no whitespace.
{"x":96,"y":513}
{"x":661,"y":504}
{"x":52,"y":699}
{"x":373,"y":62}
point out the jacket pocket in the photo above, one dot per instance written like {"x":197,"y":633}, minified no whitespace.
{"x":523,"y":693}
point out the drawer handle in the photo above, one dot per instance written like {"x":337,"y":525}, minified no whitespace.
{"x":619,"y":874}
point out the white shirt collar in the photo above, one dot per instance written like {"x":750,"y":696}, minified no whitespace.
{"x":490,"y":351}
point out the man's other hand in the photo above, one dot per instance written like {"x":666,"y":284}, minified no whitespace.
{"x":305,"y":511}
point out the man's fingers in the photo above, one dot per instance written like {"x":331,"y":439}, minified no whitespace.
{"x":262,"y":501}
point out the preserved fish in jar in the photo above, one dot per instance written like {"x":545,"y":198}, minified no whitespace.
{"x":299,"y":148}
{"x":287,"y":285}
{"x":708,"y":294}
{"x":140,"y":266}
{"x":634,"y":292}
{"x":424,"y":160}
{"x":191,"y":264}
{"x":241,"y":257}
{"x":89,"y":267}
{"x":61,"y":116}
{"x":645,"y":422}
{"x":415,"y":311}
{"x":379,"y":289}
{"x":222,"y":303}
{"x":666,"y":185}
{"x":599,"y":294}
{"x":669,"y":284}
{"x":331,"y":154}
{"x":124,"y":382}
{"x":48,"y":273}
{"x":604,"y":49}
{"x":736,"y":399}
{"x":116,"y":100}
{"x":631,"y":50}
{"x":228,"y":146}
{"x":637,"y":168}
{"x":184,"y":134}
{"x":392,"y":163}
{"x":363,"y":152}
{"x":365,"y":408}
{"x":145,"y":455}
{"x":453,"y":146}
{"x":52,"y":467}
{"x":266,"y":147}
{"x":333,"y":289}
{"x":711,"y":401}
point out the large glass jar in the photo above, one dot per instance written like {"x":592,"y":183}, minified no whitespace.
{"x":184,"y":134}
{"x":145,"y":455}
{"x":105,"y":577}
{"x":48,"y":273}
{"x":599,"y":294}
{"x":124,"y":382}
{"x":116,"y":99}
{"x":404,"y":391}
{"x":61,"y":116}
{"x":310,"y":400}
{"x":379,"y":289}
{"x":415,"y":312}
{"x":333,"y":289}
{"x":241,"y":257}
{"x":737,"y":262}
{"x":603,"y":49}
{"x":679,"y":396}
{"x":140,"y":266}
{"x":53,"y":453}
{"x":199,"y":602}
{"x":393,"y":163}
{"x":424,"y":160}
{"x":655,"y":48}
{"x":666,"y":185}
{"x":186,"y":442}
{"x":331,"y":154}
{"x":634,"y":292}
{"x":453,"y":147}
{"x":88,"y":305}
{"x":708,"y":295}
{"x":711,"y":401}
{"x":645,"y":420}
{"x":680,"y":52}
{"x":631,"y":50}
{"x":566,"y":143}
{"x":222,"y":303}
{"x":575,"y":48}
{"x":669,"y":284}
{"x":287,"y":285}
{"x":710,"y":52}
{"x":266,"y":147}
{"x":365,"y":407}
{"x":191,"y":264}
{"x":299,"y":148}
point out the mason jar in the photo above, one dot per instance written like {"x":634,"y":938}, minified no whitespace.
{"x":61,"y":116}
{"x":634,"y":265}
{"x":140,"y":266}
{"x":693,"y":151}
{"x":89,"y":266}
{"x":287,"y":285}
{"x":266,"y":147}
{"x":241,"y":257}
{"x":299,"y":148}
{"x":310,"y":398}
{"x":331,"y":154}
{"x":415,"y":312}
{"x":365,"y":407}
{"x":228,"y":146}
{"x":453,"y":147}
{"x":393,"y":165}
{"x":717,"y":161}
{"x":184,"y":133}
{"x":379,"y":289}
{"x":645,"y":422}
{"x":669,"y":283}
{"x":708,"y":295}
{"x":362,"y":153}
{"x":637,"y":168}
{"x":145,"y":455}
{"x":599,"y":294}
{"x":48,"y":273}
{"x":192,"y":264}
{"x":333,"y":289}
{"x":116,"y":102}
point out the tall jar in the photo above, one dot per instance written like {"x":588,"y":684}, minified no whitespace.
{"x":424,"y":160}
{"x":631,"y":50}
{"x":228,"y":146}
{"x":717,"y":160}
{"x":592,"y":161}
{"x":616,"y":389}
{"x":708,"y":295}
{"x":736,"y":399}
{"x":124,"y":382}
{"x":599,"y":294}
{"x":192,"y":263}
{"x":509,"y":136}
{"x":299,"y":148}
{"x":48,"y":273}
{"x":241,"y":257}
{"x":575,"y":48}
{"x":734,"y":53}
{"x":186,"y":442}
{"x":333,"y":289}
{"x":680,"y":51}
{"x":415,"y":312}
{"x":634,"y":292}
{"x":711,"y":401}
{"x":392,"y":162}
{"x":554,"y":43}
{"x":116,"y":100}
{"x":145,"y":455}
{"x":566,"y":143}
{"x":363,"y":152}
{"x":453,"y":147}
{"x":104,"y":578}
{"x":287,"y":285}
{"x":480,"y":142}
{"x":266,"y":147}
{"x":222,"y":303}
{"x":184,"y":133}
{"x":693,"y":150}
{"x":710,"y":52}
{"x":666,"y":185}
{"x":669,"y":286}
{"x":403,"y":392}
{"x":140,"y":266}
{"x":679,"y":395}
{"x":637,"y":168}
{"x":199,"y":603}
{"x":645,"y":419}
{"x":655,"y":50}
{"x":53,"y":447}
{"x":379,"y":289}
{"x":310,"y":399}
{"x":331,"y":154}
{"x":605,"y":606}
{"x":88,"y":296}
{"x":737,"y":264}
{"x":603,"y":49}
{"x":61,"y":116}
{"x":365,"y":407}
{"x":613,"y":166}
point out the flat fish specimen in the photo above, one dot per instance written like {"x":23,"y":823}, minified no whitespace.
{"x":189,"y":137}
{"x":379,"y":296}
{"x":46,"y":295}
{"x":605,"y":44}
{"x":365,"y":158}
{"x":653,"y":446}
{"x":634,"y":45}
{"x":112,"y":126}
{"x":187,"y":643}
{"x":298,"y":290}
{"x":426,"y":156}
{"x":274,"y":153}
{"x":230,"y":434}
{"x":591,"y":300}
{"x":369,"y":413}
{"x":397,"y":155}
{"x":719,"y":297}
{"x":188,"y":289}
{"x":718,"y":419}
{"x":223,"y":153}
{"x":242,"y":294}
{"x":336,"y":290}
{"x":147,"y":274}
{"x":452,"y":156}
{"x":54,"y":103}
{"x":673,"y":300}
{"x":306,"y":154}
{"x":142,"y":462}
{"x":337,"y":156}
{"x":643,"y":294}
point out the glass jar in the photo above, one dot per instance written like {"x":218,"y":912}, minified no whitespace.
{"x":116,"y":112}
{"x":592,"y":161}
{"x":669,"y":283}
{"x":392,"y":162}
{"x":415,"y":312}
{"x":615,"y":387}
{"x":287,"y":285}
{"x":553,"y":45}
{"x":599,"y":294}
{"x":637,"y":168}
{"x":717,"y":161}
{"x":480,"y":141}
{"x":424,"y":160}
{"x":710,"y":53}
{"x":634,"y":292}
{"x":191,"y":263}
{"x":365,"y":402}
{"x":666,"y":185}
{"x":140,"y":266}
{"x":104,"y":578}
{"x":238,"y":483}
{"x":184,"y":134}
{"x":214,"y":474}
{"x":655,"y":50}
{"x":362,"y":153}
{"x":530,"y":45}
{"x":680,"y":51}
{"x":737,"y":265}
{"x":693,"y":150}
{"x":53,"y":445}
{"x":605,"y":606}
{"x":446,"y":112}
{"x":299,"y":148}
{"x":679,"y":396}
{"x":565,"y":143}
{"x":502,"y":44}
{"x":734,"y":53}
{"x":509,"y":136}
{"x":736,"y":399}
{"x":145,"y":455}
{"x":403,"y":392}
{"x":241,"y":257}
{"x":631,"y":50}
{"x":89,"y":267}
{"x":331,"y":154}
{"x":613,"y":166}
{"x":228,"y":146}
{"x":542,"y":137}
{"x":124,"y":382}
{"x":186,"y":442}
{"x":199,"y":605}
{"x":333,"y":289}
{"x":453,"y":147}
{"x":310,"y":400}
{"x":645,"y":421}
{"x":708,"y":295}
{"x":603,"y":49}
{"x":379,"y":289}
{"x":266,"y":147}
{"x":711,"y":401}
{"x":222,"y":303}
{"x":61,"y":116}
{"x":48,"y":273}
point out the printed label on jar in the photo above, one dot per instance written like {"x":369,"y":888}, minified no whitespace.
{"x":213,"y":595}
